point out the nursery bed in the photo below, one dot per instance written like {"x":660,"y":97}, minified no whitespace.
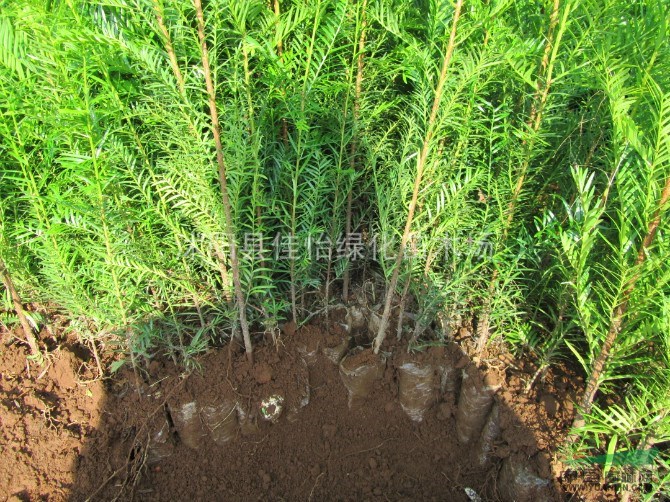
{"x":67,"y":439}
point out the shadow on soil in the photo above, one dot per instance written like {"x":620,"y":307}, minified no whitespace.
{"x":317,"y":417}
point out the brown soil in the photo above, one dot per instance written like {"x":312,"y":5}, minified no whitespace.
{"x":215,"y":434}
{"x":46,"y":417}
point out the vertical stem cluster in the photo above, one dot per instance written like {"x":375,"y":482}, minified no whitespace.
{"x":421,"y":162}
{"x":230,"y":229}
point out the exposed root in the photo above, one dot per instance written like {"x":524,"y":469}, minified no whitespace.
{"x":368,"y":449}
{"x":316,"y":482}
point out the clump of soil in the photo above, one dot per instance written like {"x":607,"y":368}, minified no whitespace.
{"x":172,"y":436}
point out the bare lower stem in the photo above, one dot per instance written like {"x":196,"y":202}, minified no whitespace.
{"x":327,"y":290}
{"x":541,"y":371}
{"x":20,"y":312}
{"x":403,"y":302}
{"x":96,"y":356}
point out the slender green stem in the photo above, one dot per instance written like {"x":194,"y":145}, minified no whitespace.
{"x":229,"y":225}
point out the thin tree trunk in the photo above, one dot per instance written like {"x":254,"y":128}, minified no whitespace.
{"x":280,"y":53}
{"x":294,"y":300}
{"x":169,"y":47}
{"x":326,"y":293}
{"x":280,"y":43}
{"x":20,"y":312}
{"x":534,"y":122}
{"x":593,"y":383}
{"x":421,"y":162}
{"x":230,"y":229}
{"x":401,"y":310}
{"x":354,"y":142}
{"x":160,"y":15}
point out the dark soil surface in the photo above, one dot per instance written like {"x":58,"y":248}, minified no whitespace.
{"x":282,"y":428}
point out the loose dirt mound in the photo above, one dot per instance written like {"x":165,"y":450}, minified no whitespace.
{"x":281,"y":429}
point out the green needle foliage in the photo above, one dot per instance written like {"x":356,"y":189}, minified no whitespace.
{"x":175,"y":173}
